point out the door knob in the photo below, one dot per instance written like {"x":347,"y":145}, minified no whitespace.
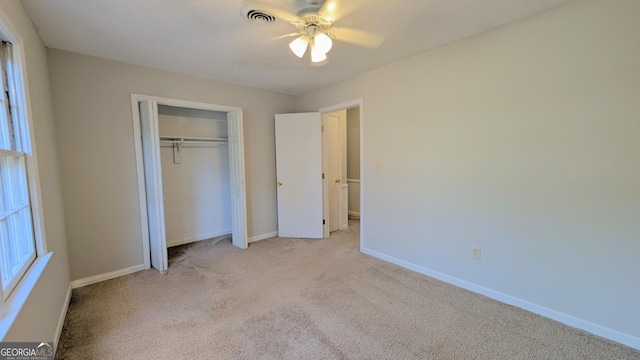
{"x":280,"y":183}
{"x":337,"y":180}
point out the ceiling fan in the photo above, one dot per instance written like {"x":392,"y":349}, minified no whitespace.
{"x":314,"y":22}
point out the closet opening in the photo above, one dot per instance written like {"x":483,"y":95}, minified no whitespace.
{"x":190,"y":174}
{"x":342,"y":158}
{"x":194,"y":154}
{"x":318,"y":167}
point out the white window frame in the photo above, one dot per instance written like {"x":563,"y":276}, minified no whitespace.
{"x":13,"y":180}
{"x":10,"y":307}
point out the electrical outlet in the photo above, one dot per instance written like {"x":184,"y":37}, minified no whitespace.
{"x":475,"y":252}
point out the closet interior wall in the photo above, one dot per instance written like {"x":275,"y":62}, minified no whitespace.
{"x":195,"y":177}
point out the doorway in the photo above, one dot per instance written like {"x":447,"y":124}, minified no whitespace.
{"x":335,"y":143}
{"x":342,"y":148}
{"x":149,"y":168}
{"x":303,"y":180}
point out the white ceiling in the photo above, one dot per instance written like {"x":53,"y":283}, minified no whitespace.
{"x":210,"y":38}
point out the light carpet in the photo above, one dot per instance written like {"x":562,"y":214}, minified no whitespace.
{"x":305,"y":299}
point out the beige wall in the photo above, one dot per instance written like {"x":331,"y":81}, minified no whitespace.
{"x":91,"y":99}
{"x":525,"y":141}
{"x":39,"y":317}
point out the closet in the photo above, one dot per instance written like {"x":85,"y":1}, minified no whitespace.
{"x":194,"y":154}
{"x":191,"y":178}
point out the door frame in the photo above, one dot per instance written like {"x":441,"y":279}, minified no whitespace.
{"x":357,"y":103}
{"x":142,"y":198}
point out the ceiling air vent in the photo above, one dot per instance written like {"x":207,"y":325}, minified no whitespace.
{"x":258,"y":17}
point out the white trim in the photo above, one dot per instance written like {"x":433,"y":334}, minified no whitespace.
{"x":63,"y":315}
{"x":324,"y":148}
{"x":566,"y":319}
{"x":106,"y":276}
{"x":354,"y":215}
{"x":185,"y":103}
{"x":188,"y":240}
{"x":263,"y":236}
{"x":33,"y":171}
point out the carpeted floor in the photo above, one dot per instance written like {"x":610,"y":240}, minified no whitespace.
{"x":305,"y":299}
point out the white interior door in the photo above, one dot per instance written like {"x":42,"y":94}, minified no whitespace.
{"x":299,"y":175}
{"x":238,"y":192}
{"x":153,"y":183}
{"x":335,"y":177}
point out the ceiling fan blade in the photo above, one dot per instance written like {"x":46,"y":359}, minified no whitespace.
{"x":334,"y":10}
{"x":285,"y":36}
{"x":358,"y":37}
{"x":279,"y":13}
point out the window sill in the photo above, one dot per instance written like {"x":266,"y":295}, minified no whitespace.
{"x":20,"y":294}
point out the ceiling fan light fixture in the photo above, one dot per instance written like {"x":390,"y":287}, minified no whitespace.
{"x":317,"y":55}
{"x":299,"y":45}
{"x":323,"y":42}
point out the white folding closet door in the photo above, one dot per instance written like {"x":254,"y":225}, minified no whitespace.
{"x":238,"y":192}
{"x":153,"y":184}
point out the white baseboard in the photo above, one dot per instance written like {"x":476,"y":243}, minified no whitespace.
{"x":172,"y":243}
{"x":63,"y":315}
{"x":263,"y":236}
{"x":354,"y":215}
{"x":106,"y":276}
{"x":572,"y":321}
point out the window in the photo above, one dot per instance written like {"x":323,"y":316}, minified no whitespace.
{"x":17,"y":240}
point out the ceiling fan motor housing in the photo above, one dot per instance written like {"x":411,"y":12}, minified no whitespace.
{"x":310,"y":7}
{"x":312,"y":23}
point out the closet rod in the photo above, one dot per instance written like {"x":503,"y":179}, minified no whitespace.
{"x":190,"y":139}
{"x":186,"y":143}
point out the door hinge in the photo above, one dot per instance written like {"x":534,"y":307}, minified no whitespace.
{"x":322,"y":175}
{"x":323,"y":222}
{"x":321,"y":127}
